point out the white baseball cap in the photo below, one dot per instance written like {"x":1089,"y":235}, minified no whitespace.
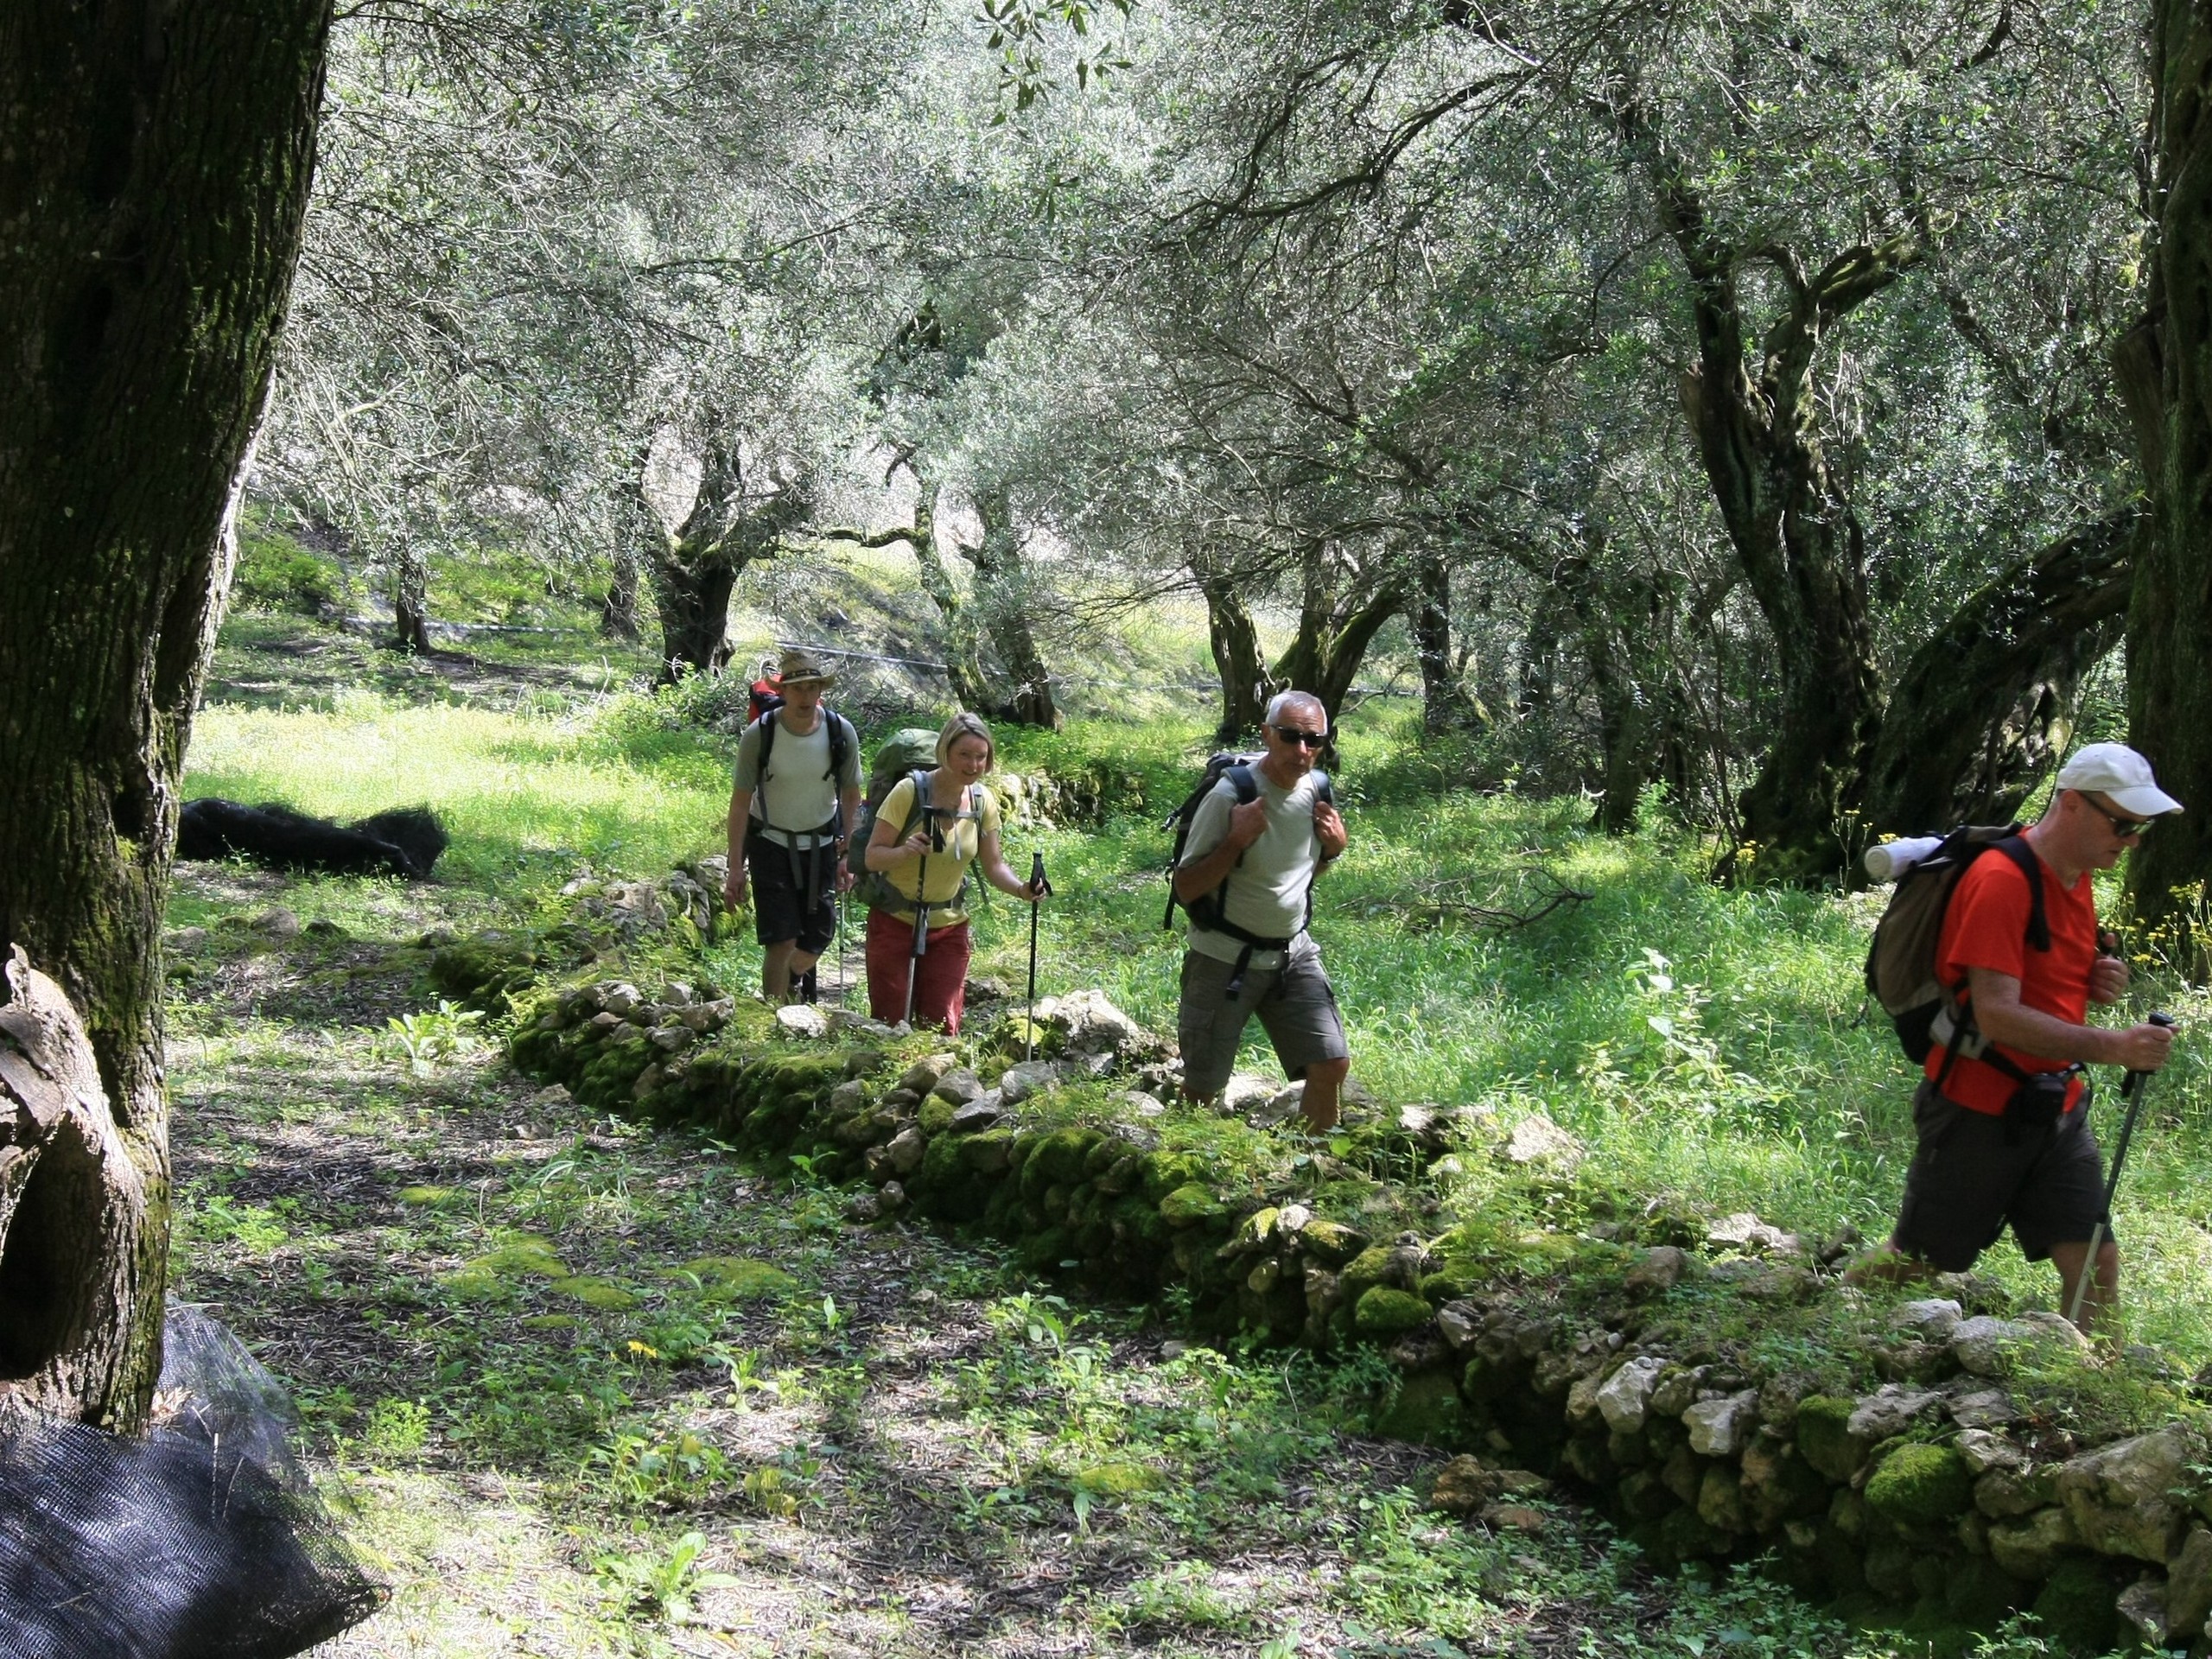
{"x":2120,"y":774}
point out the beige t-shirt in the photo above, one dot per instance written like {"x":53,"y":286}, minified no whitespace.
{"x":1267,"y":890}
{"x":963,"y":838}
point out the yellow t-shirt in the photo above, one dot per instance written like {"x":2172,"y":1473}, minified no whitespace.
{"x":962,"y":836}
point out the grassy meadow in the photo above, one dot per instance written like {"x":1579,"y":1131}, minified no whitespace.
{"x":695,"y":1414}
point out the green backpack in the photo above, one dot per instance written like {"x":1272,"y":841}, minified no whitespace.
{"x":910,"y":752}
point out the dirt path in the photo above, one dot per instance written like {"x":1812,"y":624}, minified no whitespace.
{"x":580,"y":1389}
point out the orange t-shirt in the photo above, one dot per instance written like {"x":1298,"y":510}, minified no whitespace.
{"x":1986,"y":926}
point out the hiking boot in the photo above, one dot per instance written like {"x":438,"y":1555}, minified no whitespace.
{"x":809,"y":991}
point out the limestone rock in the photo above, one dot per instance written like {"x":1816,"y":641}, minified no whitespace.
{"x":186,"y":940}
{"x":1463,"y":1486}
{"x":670,"y":1040}
{"x":1720,"y":1500}
{"x":276,"y":924}
{"x":2006,"y":1494}
{"x":902,"y":1153}
{"x":1512,"y":1517}
{"x":977,"y":1116}
{"x":1140,"y":1104}
{"x":2121,"y":1496}
{"x":891,"y":1196}
{"x":1536,"y":1140}
{"x":1244,"y":1094}
{"x":551,"y":1096}
{"x":1625,"y":1396}
{"x":2030,"y":1547}
{"x":803,"y":1020}
{"x":1679,"y":1389}
{"x":1984,"y":1451}
{"x":864,"y":1207}
{"x":2143,"y":1605}
{"x":1460,"y":1323}
{"x":1920,"y":1485}
{"x":1278,"y":1108}
{"x":621,"y":1000}
{"x":1984,"y":1408}
{"x":1932,"y":1320}
{"x":1581,"y":1395}
{"x":1091,"y":1025}
{"x":1719,"y":1427}
{"x":1889,"y":1410}
{"x":2189,"y":1585}
{"x":1747,"y":1232}
{"x":922,"y":1075}
{"x":1660,"y":1269}
{"x":849,"y":1095}
{"x":958,"y":1087}
{"x":1987,"y":1346}
{"x":1029,"y":1078}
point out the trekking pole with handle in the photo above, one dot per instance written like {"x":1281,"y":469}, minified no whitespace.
{"x":2131,"y":1090}
{"x":921,"y":913}
{"x":1039,"y":886}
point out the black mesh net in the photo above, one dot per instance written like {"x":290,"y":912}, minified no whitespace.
{"x":202,"y":1541}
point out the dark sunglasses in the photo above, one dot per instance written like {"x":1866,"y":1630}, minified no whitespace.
{"x":1303,"y":740}
{"x":2125,"y":829}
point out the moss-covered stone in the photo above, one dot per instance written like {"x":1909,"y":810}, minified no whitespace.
{"x":1190,"y":1205}
{"x":1047,"y":1251}
{"x":1382,"y":1313}
{"x":478,"y":971}
{"x":1920,"y":1485}
{"x":935,"y":1115}
{"x":736,"y":1278}
{"x":428,"y":1198}
{"x":595,"y":1291}
{"x":1117,"y":1478}
{"x":1452,"y":1283}
{"x":1164,"y":1171}
{"x":2076,"y":1607}
{"x":522,"y":1257}
{"x":1824,"y":1436}
{"x":1364,"y":1271}
{"x":1426,"y":1410}
{"x":1332,"y":1243}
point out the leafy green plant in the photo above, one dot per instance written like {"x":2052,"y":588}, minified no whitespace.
{"x":677,"y":1469}
{"x":663,"y":1583}
{"x":435,"y":1037}
{"x":396,"y":1428}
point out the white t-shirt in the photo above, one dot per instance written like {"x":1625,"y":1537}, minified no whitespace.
{"x":1266,"y":893}
{"x":798,"y":797}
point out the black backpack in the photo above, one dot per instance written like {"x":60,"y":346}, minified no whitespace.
{"x":841,"y":740}
{"x":1900,"y":961}
{"x":1208,"y":909}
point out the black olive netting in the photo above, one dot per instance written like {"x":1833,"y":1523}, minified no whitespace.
{"x":202,"y":1541}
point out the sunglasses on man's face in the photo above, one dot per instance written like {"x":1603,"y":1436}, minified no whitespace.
{"x":2125,"y":829}
{"x":1303,"y":740}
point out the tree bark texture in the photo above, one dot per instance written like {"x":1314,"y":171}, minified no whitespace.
{"x":1445,"y":706}
{"x":618,"y":611}
{"x":963,"y":665}
{"x":1245,"y":686}
{"x":1337,"y":622}
{"x":1006,"y":597}
{"x":2170,"y":617}
{"x":410,"y":600}
{"x":695,"y":565}
{"x":1988,"y":703}
{"x":155,"y":164}
{"x":1796,"y":535}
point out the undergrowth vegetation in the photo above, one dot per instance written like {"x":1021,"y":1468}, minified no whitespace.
{"x":711,"y":1410}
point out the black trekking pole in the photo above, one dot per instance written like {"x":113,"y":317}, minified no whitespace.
{"x":921,"y":917}
{"x":1039,"y":886}
{"x":2131,"y":1090}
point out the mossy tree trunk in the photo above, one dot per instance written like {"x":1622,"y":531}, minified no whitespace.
{"x":1986,"y":704}
{"x":1006,"y":597}
{"x":2170,"y":619}
{"x":1245,"y":686}
{"x":1445,"y":706}
{"x":155,"y":164}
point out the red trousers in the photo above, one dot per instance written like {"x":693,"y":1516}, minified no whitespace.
{"x":943,"y":986}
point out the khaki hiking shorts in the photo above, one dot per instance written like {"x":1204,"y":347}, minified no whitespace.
{"x":1295,"y":1003}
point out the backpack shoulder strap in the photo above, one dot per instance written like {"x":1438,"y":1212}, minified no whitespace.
{"x":840,"y":728}
{"x":2024,"y":858}
{"x":1323,"y":789}
{"x":1242,"y":780}
{"x":767,"y":724}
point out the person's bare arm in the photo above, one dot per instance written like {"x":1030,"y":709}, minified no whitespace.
{"x":848,"y":812}
{"x":1247,"y":823}
{"x":740,"y":818}
{"x":2004,"y":1017}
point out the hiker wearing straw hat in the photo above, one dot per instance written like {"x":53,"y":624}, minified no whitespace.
{"x":797,"y":791}
{"x":2002,"y":1114}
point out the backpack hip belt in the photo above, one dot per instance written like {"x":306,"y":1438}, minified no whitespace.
{"x":1250,"y":941}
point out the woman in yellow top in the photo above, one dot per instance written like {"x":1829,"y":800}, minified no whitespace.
{"x":959,"y":823}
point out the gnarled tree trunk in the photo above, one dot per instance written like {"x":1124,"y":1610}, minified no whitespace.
{"x":155,"y":161}
{"x":1446,"y":707}
{"x":694,"y":566}
{"x":618,"y":610}
{"x":1988,"y":702}
{"x":1337,"y":620}
{"x":1006,"y":595}
{"x":1245,"y":686}
{"x":410,"y":600}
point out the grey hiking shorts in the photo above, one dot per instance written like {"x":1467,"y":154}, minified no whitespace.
{"x":1295,"y":1003}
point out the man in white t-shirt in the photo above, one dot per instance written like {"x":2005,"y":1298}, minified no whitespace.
{"x":1246,"y":875}
{"x":796,"y":797}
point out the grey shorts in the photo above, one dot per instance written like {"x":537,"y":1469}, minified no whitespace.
{"x":1972,"y":1172}
{"x":1295,"y":1006}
